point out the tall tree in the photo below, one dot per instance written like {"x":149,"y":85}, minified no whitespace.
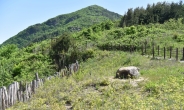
{"x":59,"y":48}
{"x":136,"y":16}
{"x":150,"y":15}
{"x":129,"y":17}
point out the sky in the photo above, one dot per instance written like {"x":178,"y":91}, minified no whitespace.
{"x":17,"y":15}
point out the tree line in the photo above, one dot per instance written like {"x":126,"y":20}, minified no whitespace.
{"x":155,"y":13}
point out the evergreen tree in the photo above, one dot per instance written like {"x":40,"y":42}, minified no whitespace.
{"x":129,"y":17}
{"x":155,"y":13}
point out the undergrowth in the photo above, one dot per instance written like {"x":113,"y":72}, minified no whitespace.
{"x":93,"y":86}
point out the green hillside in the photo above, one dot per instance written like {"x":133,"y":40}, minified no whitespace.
{"x":71,"y":22}
{"x":21,"y":64}
{"x":93,"y":86}
{"x":101,"y":49}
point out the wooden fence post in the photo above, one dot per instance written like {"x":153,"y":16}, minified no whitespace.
{"x":153,"y":52}
{"x":13,"y":93}
{"x":158,"y":50}
{"x":25,"y":96}
{"x":142,"y":50}
{"x":176,"y":54}
{"x":145,"y":48}
{"x":86,"y":44}
{"x":130,"y":48}
{"x":164,"y":52}
{"x":111,"y":47}
{"x":183,"y":54}
{"x":36,"y":76}
{"x":3,"y":98}
{"x":133,"y":48}
{"x":20,"y":92}
{"x":170,"y":51}
{"x":16,"y":92}
{"x":33,"y":86}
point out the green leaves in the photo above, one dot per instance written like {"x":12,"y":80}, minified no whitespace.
{"x":7,"y":51}
{"x":178,"y":37}
{"x":94,"y":31}
{"x":21,"y":64}
{"x":130,"y":30}
{"x":62,"y":43}
{"x":108,"y":25}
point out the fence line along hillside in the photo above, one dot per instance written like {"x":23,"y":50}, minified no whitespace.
{"x":159,"y":51}
{"x":164,"y":52}
{"x":17,"y":92}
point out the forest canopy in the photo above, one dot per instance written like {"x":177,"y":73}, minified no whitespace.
{"x":155,"y":13}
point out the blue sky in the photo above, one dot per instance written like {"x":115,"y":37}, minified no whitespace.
{"x":16,"y":15}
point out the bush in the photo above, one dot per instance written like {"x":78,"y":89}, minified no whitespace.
{"x":130,"y":30}
{"x":89,"y":53}
{"x":117,"y":33}
{"x":63,"y":43}
{"x":177,"y":37}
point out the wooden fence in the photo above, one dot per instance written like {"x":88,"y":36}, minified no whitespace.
{"x":17,"y":92}
{"x":164,"y":52}
{"x":161,"y":52}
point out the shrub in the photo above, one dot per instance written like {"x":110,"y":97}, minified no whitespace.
{"x":177,"y":37}
{"x":130,"y":30}
{"x":104,"y":82}
{"x":117,"y":33}
{"x":89,"y":53}
{"x":152,"y":88}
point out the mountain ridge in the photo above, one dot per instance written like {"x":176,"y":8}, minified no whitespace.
{"x":71,"y":22}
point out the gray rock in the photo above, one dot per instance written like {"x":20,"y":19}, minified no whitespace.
{"x":125,"y":72}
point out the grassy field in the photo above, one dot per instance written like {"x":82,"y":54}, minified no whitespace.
{"x":160,"y":86}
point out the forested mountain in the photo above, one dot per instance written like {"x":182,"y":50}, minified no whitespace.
{"x":71,"y":22}
{"x":155,"y":13}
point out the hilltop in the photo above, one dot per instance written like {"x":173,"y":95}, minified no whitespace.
{"x":71,"y":22}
